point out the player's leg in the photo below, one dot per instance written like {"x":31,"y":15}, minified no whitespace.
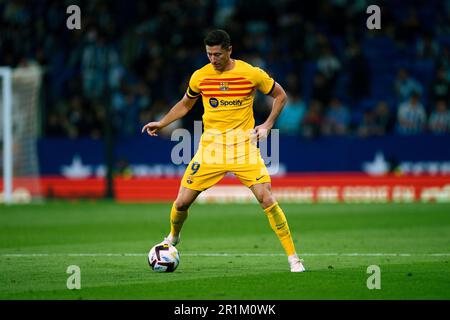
{"x":197,"y":178}
{"x":275,"y":214}
{"x":278,"y":222}
{"x":179,"y":212}
{"x":253,"y":173}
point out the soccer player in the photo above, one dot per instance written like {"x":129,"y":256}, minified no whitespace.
{"x":227,"y":87}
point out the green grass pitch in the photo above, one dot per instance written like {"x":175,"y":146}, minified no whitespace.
{"x":228,"y":251}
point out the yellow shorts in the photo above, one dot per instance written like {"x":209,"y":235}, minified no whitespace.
{"x":201,"y":175}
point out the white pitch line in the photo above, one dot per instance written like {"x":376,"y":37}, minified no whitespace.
{"x":188,"y":254}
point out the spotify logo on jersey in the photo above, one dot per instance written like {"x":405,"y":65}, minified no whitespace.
{"x":213,"y":102}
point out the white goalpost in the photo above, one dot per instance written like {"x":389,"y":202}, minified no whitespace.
{"x":19,"y":103}
{"x":5,"y":74}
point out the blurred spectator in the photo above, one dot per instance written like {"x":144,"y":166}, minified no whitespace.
{"x":440,"y":24}
{"x":55,"y":125}
{"x":321,"y":90}
{"x":384,"y":121}
{"x":292,"y":84}
{"x":367,"y":127}
{"x":409,"y":26}
{"x":439,"y":122}
{"x":337,"y":119}
{"x":314,"y":40}
{"x":76,"y":118}
{"x":411,"y":116}
{"x":376,"y":122}
{"x":99,"y":65}
{"x":312,"y":121}
{"x":440,"y":87}
{"x":405,"y":85}
{"x":444,"y":61}
{"x":427,"y":47}
{"x":359,"y":72}
{"x":329,"y":65}
{"x":97,"y":121}
{"x":290,"y":119}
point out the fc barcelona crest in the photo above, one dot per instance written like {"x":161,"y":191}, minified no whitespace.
{"x":223,"y":86}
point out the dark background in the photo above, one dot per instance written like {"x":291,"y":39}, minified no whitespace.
{"x":137,"y":57}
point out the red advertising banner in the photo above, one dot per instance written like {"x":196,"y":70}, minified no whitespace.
{"x":292,"y":188}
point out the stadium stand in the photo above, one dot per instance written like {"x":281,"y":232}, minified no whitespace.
{"x":133,"y":55}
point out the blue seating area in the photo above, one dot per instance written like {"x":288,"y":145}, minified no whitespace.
{"x":156,"y":47}
{"x":386,"y":54}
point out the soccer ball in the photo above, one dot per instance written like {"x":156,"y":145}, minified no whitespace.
{"x":163,"y":257}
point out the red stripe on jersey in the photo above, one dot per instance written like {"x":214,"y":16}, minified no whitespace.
{"x":229,"y":89}
{"x":224,"y":79}
{"x":211,"y":83}
{"x":228,"y":95}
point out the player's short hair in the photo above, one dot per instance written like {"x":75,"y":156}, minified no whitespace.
{"x":218,"y":37}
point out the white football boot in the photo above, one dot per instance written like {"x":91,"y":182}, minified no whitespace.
{"x":172,"y":240}
{"x":296,"y":263}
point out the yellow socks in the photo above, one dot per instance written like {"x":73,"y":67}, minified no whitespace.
{"x":276,"y":217}
{"x":177,"y":219}
{"x":279,"y":225}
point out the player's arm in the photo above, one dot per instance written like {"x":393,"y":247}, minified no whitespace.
{"x":178,"y":111}
{"x":279,"y":100}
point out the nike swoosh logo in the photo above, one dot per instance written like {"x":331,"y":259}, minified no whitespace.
{"x":259,"y":178}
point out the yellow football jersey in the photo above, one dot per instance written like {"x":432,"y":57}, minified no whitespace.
{"x":228,"y":99}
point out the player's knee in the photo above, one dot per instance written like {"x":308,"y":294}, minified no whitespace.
{"x":182,"y":205}
{"x":266,"y":199}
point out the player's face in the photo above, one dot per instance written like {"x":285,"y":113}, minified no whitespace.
{"x":218,"y":57}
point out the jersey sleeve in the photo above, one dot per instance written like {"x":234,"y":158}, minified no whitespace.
{"x":193,"y":90}
{"x":264,"y":82}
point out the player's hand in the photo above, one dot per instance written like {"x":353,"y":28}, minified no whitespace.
{"x":260,"y":132}
{"x":152,"y":128}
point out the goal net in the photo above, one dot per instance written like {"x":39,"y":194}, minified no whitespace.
{"x":19,"y":121}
